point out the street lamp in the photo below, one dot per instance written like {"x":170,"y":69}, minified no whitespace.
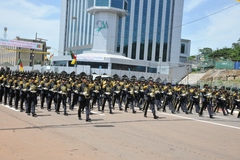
{"x":32,"y":58}
{"x":159,"y":65}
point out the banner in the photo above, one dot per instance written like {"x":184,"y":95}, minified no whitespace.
{"x":22,"y":44}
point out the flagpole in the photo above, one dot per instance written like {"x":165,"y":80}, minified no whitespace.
{"x":76,"y":68}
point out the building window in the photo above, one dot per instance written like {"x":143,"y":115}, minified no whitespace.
{"x":125,"y":5}
{"x":90,"y":3}
{"x":128,"y":67}
{"x":102,"y":2}
{"x":151,"y":70}
{"x":183,"y":48}
{"x":117,"y":4}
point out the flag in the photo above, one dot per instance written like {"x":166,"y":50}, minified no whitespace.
{"x":238,"y":0}
{"x":51,"y":56}
{"x":74,"y":58}
{"x":20,"y":65}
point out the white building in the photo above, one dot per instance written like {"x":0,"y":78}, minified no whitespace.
{"x":124,"y":37}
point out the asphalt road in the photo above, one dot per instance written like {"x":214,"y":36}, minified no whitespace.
{"x":120,"y":136}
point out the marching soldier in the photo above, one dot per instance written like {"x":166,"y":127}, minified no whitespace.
{"x":136,"y":101}
{"x":52,"y":95}
{"x":62,"y":97}
{"x":6,"y":89}
{"x":157,"y":96}
{"x":75,"y":94}
{"x":33,"y":97}
{"x":150,"y":99}
{"x":236,"y":98}
{"x":107,"y":95}
{"x":117,"y":95}
{"x":183,"y":99}
{"x":43,"y":91}
{"x":194,"y":99}
{"x":221,"y":97}
{"x":1,"y":89}
{"x":130,"y":97}
{"x":168,"y":98}
{"x":124,"y":91}
{"x":84,"y":99}
{"x":96,"y":94}
{"x":16,"y":93}
{"x":206,"y":96}
{"x":141,"y":95}
{"x":22,"y":94}
{"x":11,"y":92}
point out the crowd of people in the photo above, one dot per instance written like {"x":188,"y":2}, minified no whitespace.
{"x":22,"y":90}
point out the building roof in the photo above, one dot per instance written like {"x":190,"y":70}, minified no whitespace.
{"x":100,"y":56}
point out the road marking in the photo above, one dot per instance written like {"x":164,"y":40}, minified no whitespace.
{"x":98,"y":113}
{"x":12,"y":108}
{"x":218,"y":124}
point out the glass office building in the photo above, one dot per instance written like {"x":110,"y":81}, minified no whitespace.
{"x":151,"y":30}
{"x":137,"y":37}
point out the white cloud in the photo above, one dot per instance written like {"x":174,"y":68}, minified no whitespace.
{"x":217,"y":31}
{"x":25,"y":19}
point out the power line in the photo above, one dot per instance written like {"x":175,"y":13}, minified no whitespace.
{"x":208,"y":15}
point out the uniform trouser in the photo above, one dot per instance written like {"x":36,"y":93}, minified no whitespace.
{"x":183,"y":105}
{"x":11,"y":96}
{"x":234,"y":105}
{"x":49,"y":102}
{"x":55,"y":100}
{"x":69,"y":98}
{"x":84,"y":104}
{"x":28,"y":104}
{"x":170,"y":105}
{"x":16,"y":100}
{"x":123,"y":98}
{"x":5,"y":96}
{"x":62,"y":99}
{"x":96,"y":99}
{"x":224,"y":107}
{"x":116,"y":98}
{"x":136,"y":101}
{"x":43,"y":96}
{"x":59,"y":100}
{"x":33,"y":103}
{"x":141,"y":98}
{"x":109,"y":99}
{"x":196,"y":104}
{"x":207,"y":105}
{"x":1,"y":95}
{"x":64,"y":103}
{"x":74,"y":100}
{"x":158,"y":103}
{"x":22,"y":99}
{"x":152,"y":107}
{"x":130,"y":102}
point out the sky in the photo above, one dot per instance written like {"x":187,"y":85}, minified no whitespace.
{"x":207,"y":23}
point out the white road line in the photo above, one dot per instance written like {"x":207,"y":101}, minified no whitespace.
{"x":214,"y":123}
{"x":12,"y":108}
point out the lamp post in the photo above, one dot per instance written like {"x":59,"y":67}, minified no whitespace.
{"x":160,"y":60}
{"x":32,"y":57}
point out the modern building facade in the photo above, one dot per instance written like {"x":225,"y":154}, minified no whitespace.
{"x":147,"y":33}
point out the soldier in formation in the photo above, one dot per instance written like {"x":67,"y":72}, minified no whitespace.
{"x":22,"y":89}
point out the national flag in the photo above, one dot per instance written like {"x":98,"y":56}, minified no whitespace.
{"x":51,"y":56}
{"x":74,"y":58}
{"x":20,"y":65}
